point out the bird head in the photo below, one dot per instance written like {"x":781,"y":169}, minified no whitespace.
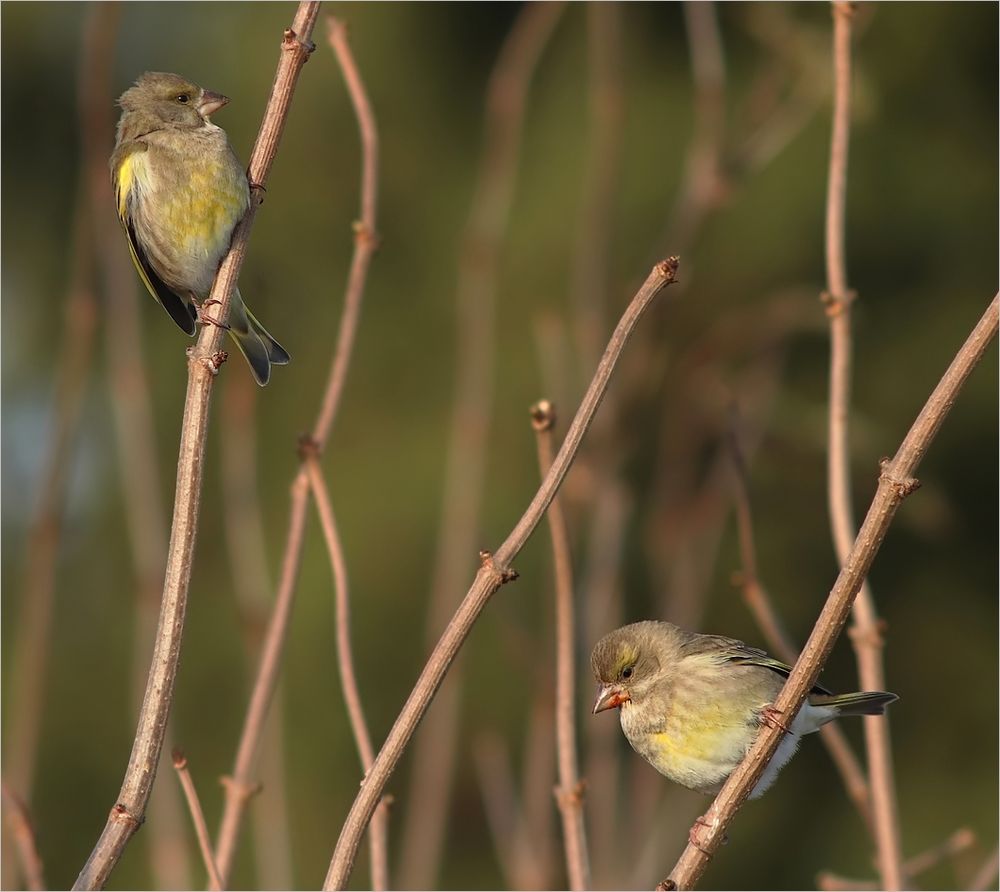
{"x":171,"y":100}
{"x":628,"y":662}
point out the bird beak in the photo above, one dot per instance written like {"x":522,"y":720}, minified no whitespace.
{"x":211,"y":102}
{"x":609,"y":696}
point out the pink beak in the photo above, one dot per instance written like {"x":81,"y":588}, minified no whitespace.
{"x":609,"y":696}
{"x":211,"y":102}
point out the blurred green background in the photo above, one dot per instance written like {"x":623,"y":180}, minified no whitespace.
{"x":922,"y":253}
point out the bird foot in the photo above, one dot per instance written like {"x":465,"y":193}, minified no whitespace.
{"x":770,"y":717}
{"x":205,"y":319}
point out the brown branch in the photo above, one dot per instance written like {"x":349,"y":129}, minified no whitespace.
{"x":569,"y":793}
{"x":895,"y":483}
{"x":494,"y":572}
{"x":203,"y":363}
{"x":243,"y":527}
{"x":365,"y":245}
{"x":865,"y":632}
{"x":197,"y":818}
{"x":478,"y":278}
{"x":760,"y":605}
{"x":19,"y":822}
{"x":345,"y":662}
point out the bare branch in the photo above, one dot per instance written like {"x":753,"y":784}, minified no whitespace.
{"x":204,"y":360}
{"x":895,"y":483}
{"x":345,"y":662}
{"x":365,"y":244}
{"x":864,"y":633}
{"x":569,"y":793}
{"x":494,"y":572}
{"x":197,"y":818}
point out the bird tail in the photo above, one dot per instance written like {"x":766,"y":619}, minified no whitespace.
{"x":258,"y":347}
{"x":862,"y":703}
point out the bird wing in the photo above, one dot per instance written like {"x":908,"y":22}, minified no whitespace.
{"x":180,"y":310}
{"x":732,"y":650}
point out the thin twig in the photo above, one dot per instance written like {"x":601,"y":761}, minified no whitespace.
{"x":895,"y":483}
{"x":865,"y":632}
{"x":569,"y":793}
{"x":203,"y":364}
{"x":478,"y":279}
{"x":23,"y":832}
{"x":197,"y":818}
{"x":494,"y":572}
{"x":345,"y":662}
{"x":243,"y":526}
{"x":759,"y":602}
{"x":240,"y":787}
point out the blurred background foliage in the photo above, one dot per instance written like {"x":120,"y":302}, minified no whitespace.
{"x":922,"y":254}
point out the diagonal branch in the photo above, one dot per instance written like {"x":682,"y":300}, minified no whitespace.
{"x":494,"y":572}
{"x":895,"y":483}
{"x":203,"y":363}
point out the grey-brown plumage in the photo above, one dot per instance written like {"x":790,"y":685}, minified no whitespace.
{"x":692,"y":704}
{"x":180,"y":192}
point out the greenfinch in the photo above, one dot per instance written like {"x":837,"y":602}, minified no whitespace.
{"x":692,"y":705}
{"x":180,"y":192}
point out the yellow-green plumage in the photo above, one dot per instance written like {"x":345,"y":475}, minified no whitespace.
{"x":180,"y":191}
{"x":692,"y":705}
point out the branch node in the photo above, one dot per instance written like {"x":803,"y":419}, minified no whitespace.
{"x":291,"y":43}
{"x":835,"y":305}
{"x":667,"y":885}
{"x":241,"y":789}
{"x":215,"y":361}
{"x":120,"y":814}
{"x":180,"y":760}
{"x":365,"y":236}
{"x":846,"y":9}
{"x":869,"y":636}
{"x":571,"y":798}
{"x":543,"y":416}
{"x":668,"y":268}
{"x":308,"y":447}
{"x":502,"y":575}
{"x":903,"y":486}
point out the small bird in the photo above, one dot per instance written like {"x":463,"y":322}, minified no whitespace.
{"x":180,"y":192}
{"x":692,"y":705}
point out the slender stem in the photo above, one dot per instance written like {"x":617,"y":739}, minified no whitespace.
{"x":494,"y":572}
{"x":569,"y":793}
{"x":345,"y":662}
{"x":865,"y":635}
{"x":465,"y":464}
{"x":197,"y":818}
{"x":240,"y":788}
{"x":895,"y":483}
{"x":24,"y":838}
{"x":204,"y":359}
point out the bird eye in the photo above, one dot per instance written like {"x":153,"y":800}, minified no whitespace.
{"x":183,"y":97}
{"x":627,"y":672}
